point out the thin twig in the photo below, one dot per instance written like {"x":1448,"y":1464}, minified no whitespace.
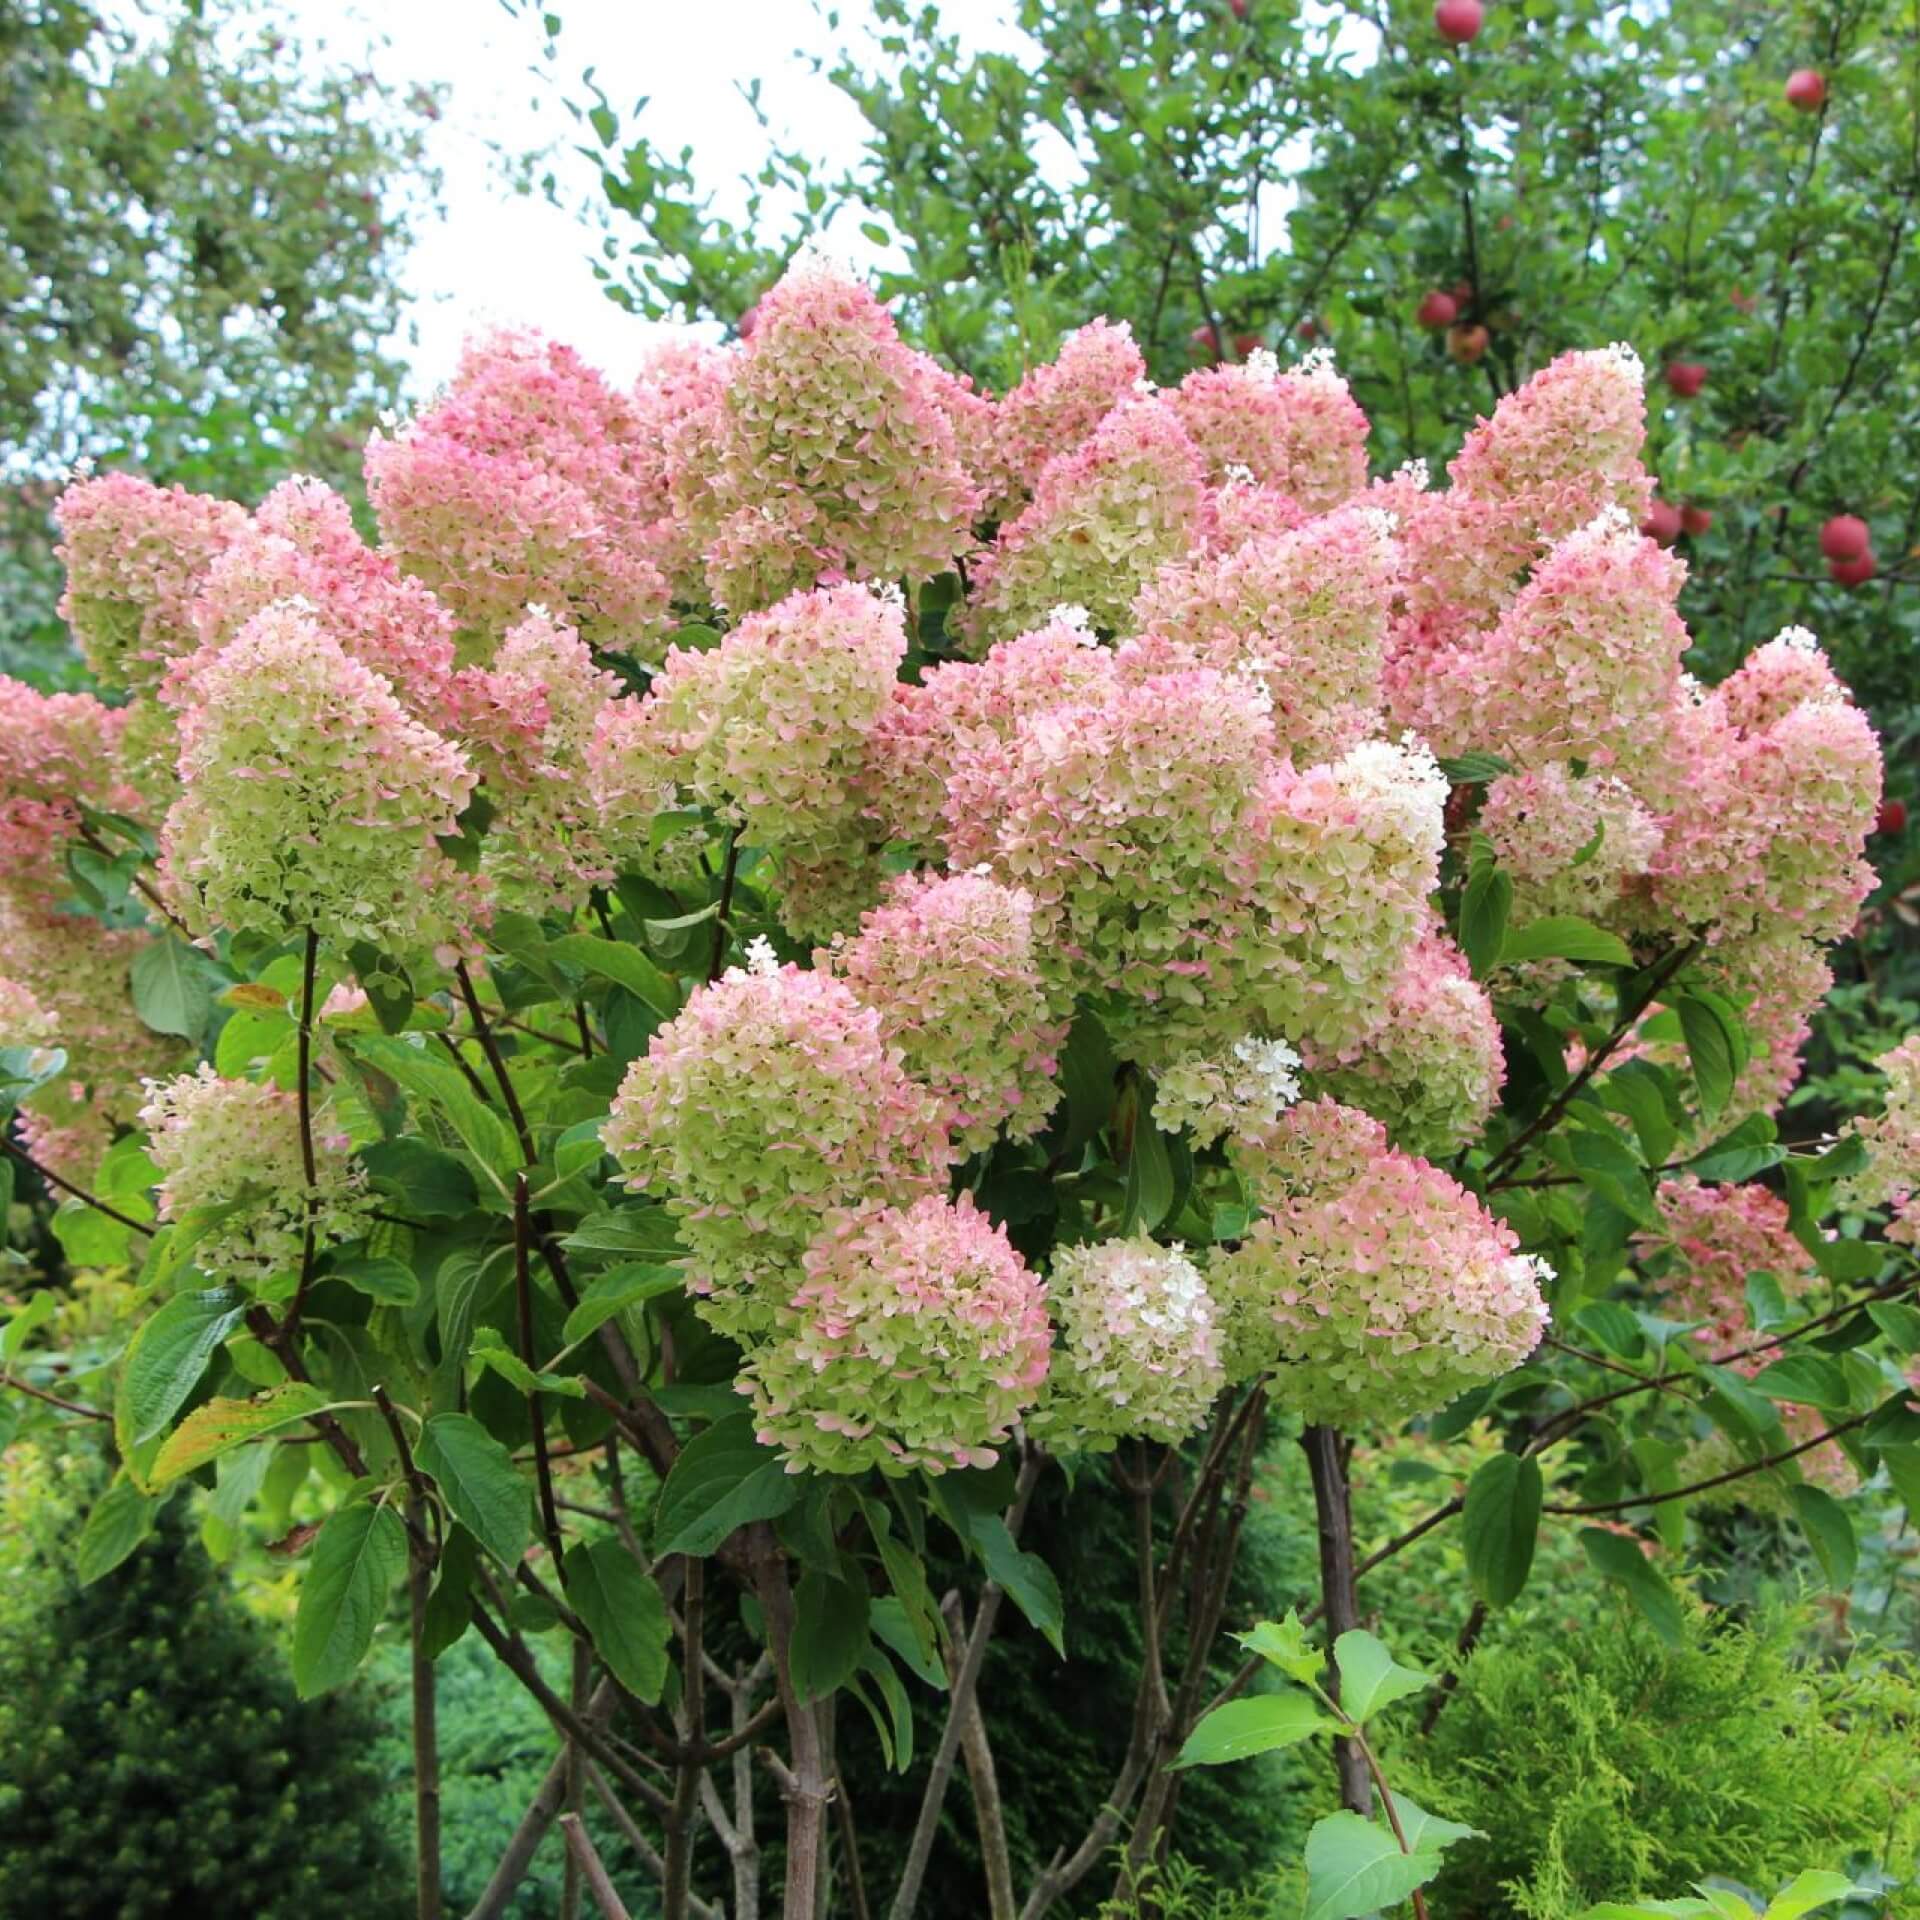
{"x":67,"y":1186}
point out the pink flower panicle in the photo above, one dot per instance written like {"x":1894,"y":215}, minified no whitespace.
{"x":526,"y":482}
{"x":949,"y":966}
{"x":835,"y":455}
{"x":1300,"y":432}
{"x":1371,"y":1285}
{"x":1892,"y":1139}
{"x":770,"y":1099}
{"x":136,"y":555}
{"x":61,"y":751}
{"x":232,"y":1148}
{"x":1103,"y":520}
{"x":309,"y":798}
{"x":1431,"y":1069}
{"x":1570,"y":843}
{"x":916,"y":1338}
{"x":1056,"y":407}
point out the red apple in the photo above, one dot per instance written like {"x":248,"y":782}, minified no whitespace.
{"x":1459,"y":20}
{"x":1246,"y":343}
{"x":1467,"y":344}
{"x":1437,"y":310}
{"x":1694,"y":521}
{"x":1307,"y":330}
{"x":1462,"y":291}
{"x":1686,"y":377}
{"x":1203,"y":343}
{"x":1238,"y":8}
{"x":1893,"y":817}
{"x":745,"y":325}
{"x":1846,"y":537}
{"x":1807,"y":89}
{"x":1663,"y":523}
{"x":1852,"y":573}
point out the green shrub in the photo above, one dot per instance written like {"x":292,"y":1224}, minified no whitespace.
{"x":154,"y":1761}
{"x":1602,"y":1764}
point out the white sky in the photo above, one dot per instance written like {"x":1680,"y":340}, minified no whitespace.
{"x":501,"y":259}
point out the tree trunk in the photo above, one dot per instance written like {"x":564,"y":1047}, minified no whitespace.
{"x":1327,"y":1462}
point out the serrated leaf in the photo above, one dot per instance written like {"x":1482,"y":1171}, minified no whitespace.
{"x":1829,"y":1532}
{"x":208,"y":1431}
{"x":830,"y":1637}
{"x":1716,"y":1047}
{"x":380,"y":1277}
{"x":1899,"y":1322}
{"x":357,"y":1556}
{"x":487,"y":1347}
{"x":1484,"y":904}
{"x":172,"y":992}
{"x":1260,"y":1725}
{"x":1805,"y":1379}
{"x":1027,"y":1579}
{"x":121,"y":1519}
{"x":445,"y":1094}
{"x":637,"y":1232}
{"x":1810,"y":1890}
{"x":482,"y":1487}
{"x":1356,"y":1867}
{"x":1564,"y":937}
{"x":616,"y":1290}
{"x":723,"y":1479}
{"x":888,"y":1618}
{"x":1501,"y":1524}
{"x":1370,"y":1678}
{"x":624,"y":1611}
{"x":1616,"y":1558}
{"x":625,"y":966}
{"x":1283,"y":1644}
{"x":165,"y":1359}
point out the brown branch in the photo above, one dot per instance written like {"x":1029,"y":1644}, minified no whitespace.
{"x":584,"y":1856}
{"x":536,"y":1413}
{"x":693,"y":1681}
{"x":54,"y":1400}
{"x":483,"y":1032}
{"x":1327,"y":1455}
{"x":64,"y":1185}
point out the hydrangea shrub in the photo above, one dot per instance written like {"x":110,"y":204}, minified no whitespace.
{"x":840,"y":939}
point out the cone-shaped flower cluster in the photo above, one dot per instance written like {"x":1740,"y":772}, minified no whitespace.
{"x":916,"y":1338}
{"x":1056,"y":407}
{"x":1373,"y":1286}
{"x":949,"y":966}
{"x":1570,"y":843}
{"x":310,"y":798}
{"x":833,"y":454}
{"x":771,"y":1099}
{"x":1892,"y":1139}
{"x":230,"y":1160}
{"x":1141,"y":1347}
{"x":1237,"y":1092}
{"x":524,"y":483}
{"x":1299,"y":432}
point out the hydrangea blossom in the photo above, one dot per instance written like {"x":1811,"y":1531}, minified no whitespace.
{"x":1892,"y":1140}
{"x":61,"y":750}
{"x":676,"y":403}
{"x":768,"y":730}
{"x":770,"y":1099}
{"x":1140,"y":1346}
{"x":1057,"y":406}
{"x":62,"y":1130}
{"x":135,"y":556}
{"x":1237,"y":1092}
{"x":528,"y":723}
{"x":834,"y":455}
{"x":310,"y":798}
{"x":916,"y":1338}
{"x":229,"y":1153}
{"x":1299,"y":432}
{"x":1431,"y":1069}
{"x":525,"y":482}
{"x":949,"y":966}
{"x":24,"y":1021}
{"x":302,"y":544}
{"x":1305,"y":612}
{"x":1371,"y":1285}
{"x":1570,"y":843}
{"x":1103,"y":520}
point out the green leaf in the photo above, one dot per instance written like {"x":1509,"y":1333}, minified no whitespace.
{"x":172,"y":992}
{"x":1474,"y":769}
{"x":1564,"y":937}
{"x":1805,"y":1379}
{"x":122,"y":1517}
{"x":1355,"y":1866}
{"x":1027,"y":1579}
{"x":444,"y":1093}
{"x":625,"y":966}
{"x":1766,"y":1302}
{"x":26,"y":1321}
{"x":1283,"y":1644}
{"x":1370,"y":1677}
{"x":1716,"y":1047}
{"x":888,"y":1618}
{"x":1606,"y":1164}
{"x":90,"y":1238}
{"x":1259,"y":1725}
{"x":1810,"y":1890}
{"x":616,"y":1290}
{"x":166,"y":1358}
{"x":830,"y":1637}
{"x":637,"y":1232}
{"x":1502,"y":1523}
{"x":482,"y":1487}
{"x":1087,"y":1068}
{"x":208,"y":1431}
{"x":1829,"y":1532}
{"x":624,"y":1611}
{"x":1638,"y":1089}
{"x":1899,"y":1322}
{"x":487,"y":1347}
{"x":723,"y":1479}
{"x":450,"y":1604}
{"x":357,"y":1556}
{"x":1150,"y":1185}
{"x":1484,"y":905}
{"x":380,"y":1277}
{"x":1614,"y":1557}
